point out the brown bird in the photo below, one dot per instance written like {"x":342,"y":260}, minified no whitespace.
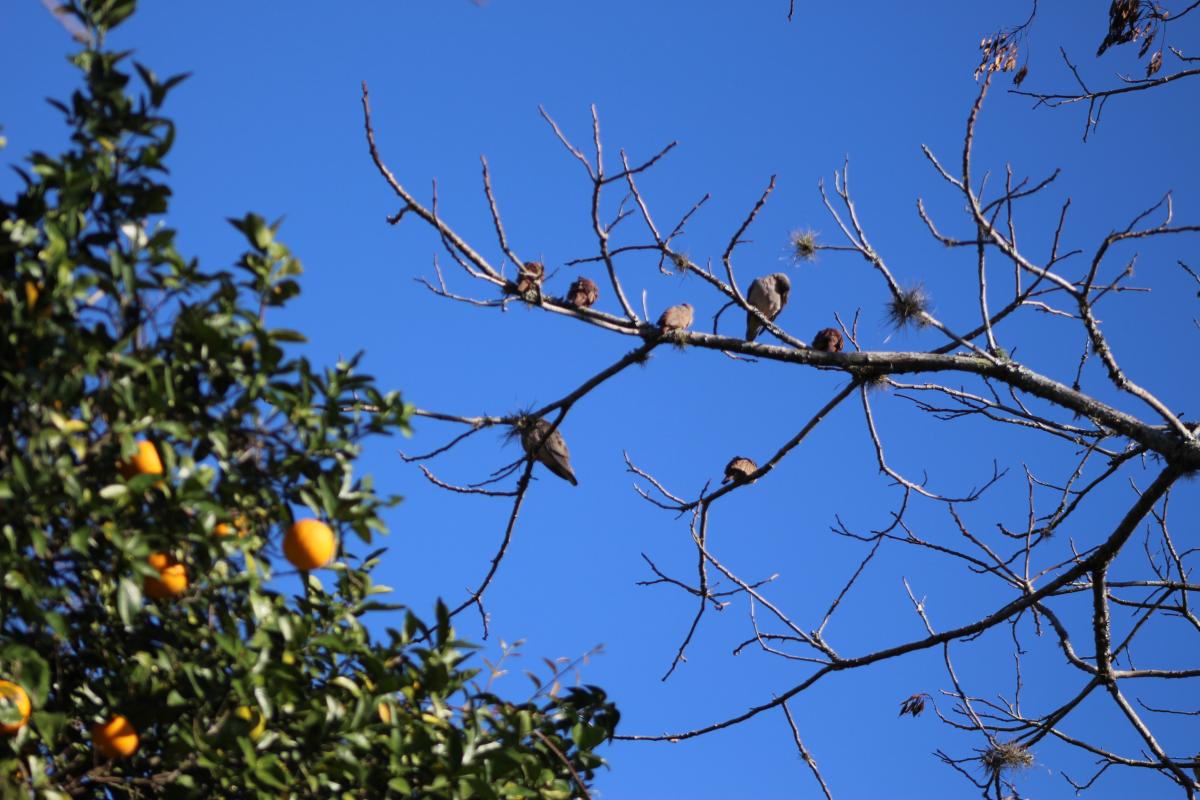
{"x":552,"y":451}
{"x":583,"y":293}
{"x":530,"y":276}
{"x":828,"y":340}
{"x":739,"y":469}
{"x":676,"y":318}
{"x":769,"y":294}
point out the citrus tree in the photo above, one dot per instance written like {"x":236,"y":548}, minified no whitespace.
{"x":164,"y":456}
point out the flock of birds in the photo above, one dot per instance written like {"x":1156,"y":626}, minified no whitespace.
{"x":768,"y":295}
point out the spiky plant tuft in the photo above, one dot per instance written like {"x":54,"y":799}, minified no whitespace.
{"x":522,"y":420}
{"x":678,"y":263}
{"x":1007,"y":756}
{"x":804,"y":245}
{"x":872,"y":378}
{"x":909,"y":307}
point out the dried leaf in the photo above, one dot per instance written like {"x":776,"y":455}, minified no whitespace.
{"x":913,"y":705}
{"x":1155,"y":64}
{"x":1145,"y":48}
{"x":1124,"y":17}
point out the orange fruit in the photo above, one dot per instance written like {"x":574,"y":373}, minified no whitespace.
{"x":115,"y":738}
{"x":32,"y":291}
{"x":240,"y":524}
{"x":172,"y":579}
{"x":144,"y":462}
{"x":13,"y":697}
{"x":309,"y":544}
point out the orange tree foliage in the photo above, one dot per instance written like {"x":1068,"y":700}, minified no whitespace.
{"x":111,"y":339}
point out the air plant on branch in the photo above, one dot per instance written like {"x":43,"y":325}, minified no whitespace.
{"x":909,"y":307}
{"x":804,"y":245}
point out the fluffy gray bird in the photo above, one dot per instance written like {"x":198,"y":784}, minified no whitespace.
{"x":676,"y":318}
{"x":551,"y":451}
{"x":769,"y":294}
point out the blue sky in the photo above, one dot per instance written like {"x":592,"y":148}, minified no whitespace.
{"x":270,"y":122}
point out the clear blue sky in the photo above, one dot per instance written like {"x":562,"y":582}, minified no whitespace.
{"x":270,"y":122}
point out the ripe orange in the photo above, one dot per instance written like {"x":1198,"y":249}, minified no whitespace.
{"x":240,"y":524}
{"x":115,"y":738}
{"x":144,"y":462}
{"x":172,"y":579}
{"x":13,"y":698}
{"x":309,"y":544}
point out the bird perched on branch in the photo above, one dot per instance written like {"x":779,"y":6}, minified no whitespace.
{"x":828,"y":340}
{"x":739,"y":469}
{"x":583,"y":293}
{"x":529,"y":277}
{"x":676,"y":318}
{"x":768,"y":294}
{"x":550,"y":450}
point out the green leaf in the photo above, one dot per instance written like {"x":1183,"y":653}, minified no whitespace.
{"x":115,"y":12}
{"x":284,"y":335}
{"x":270,"y":772}
{"x":129,"y":601}
{"x":48,"y":724}
{"x":114,"y":490}
{"x":25,"y":666}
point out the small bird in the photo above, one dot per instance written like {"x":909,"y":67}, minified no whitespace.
{"x":739,"y":469}
{"x":583,"y":293}
{"x":530,"y":276}
{"x":551,"y":451}
{"x":828,"y":340}
{"x":769,"y":294}
{"x":676,"y":318}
